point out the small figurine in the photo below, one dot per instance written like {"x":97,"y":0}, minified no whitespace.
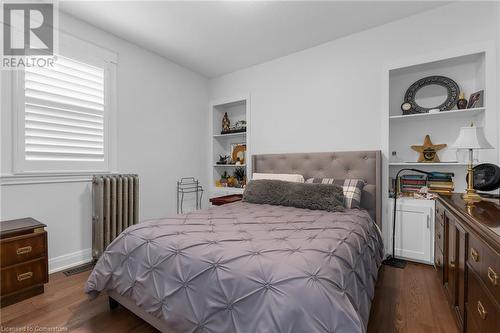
{"x":223,"y":159}
{"x":428,"y":151}
{"x":226,"y":124}
{"x":462,"y":102}
{"x":240,"y":175}
{"x":239,"y":126}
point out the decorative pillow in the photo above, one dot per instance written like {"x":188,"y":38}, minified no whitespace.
{"x":327,"y":197}
{"x":296,"y":178}
{"x":352,"y":189}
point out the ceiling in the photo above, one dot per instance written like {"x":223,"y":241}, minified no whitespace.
{"x":216,"y":38}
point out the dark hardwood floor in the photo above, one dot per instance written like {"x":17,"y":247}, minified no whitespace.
{"x":409,"y":300}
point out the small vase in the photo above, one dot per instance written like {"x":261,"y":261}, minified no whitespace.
{"x":462,"y":102}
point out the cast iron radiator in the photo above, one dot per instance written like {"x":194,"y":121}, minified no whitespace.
{"x":115,"y":205}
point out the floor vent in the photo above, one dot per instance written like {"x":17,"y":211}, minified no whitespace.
{"x":79,"y":269}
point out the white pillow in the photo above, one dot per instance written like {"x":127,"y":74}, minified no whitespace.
{"x":296,"y":178}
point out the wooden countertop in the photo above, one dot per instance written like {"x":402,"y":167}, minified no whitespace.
{"x":483,"y":217}
{"x":8,"y":228}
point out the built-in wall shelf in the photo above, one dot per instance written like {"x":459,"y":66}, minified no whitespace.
{"x":427,"y":164}
{"x":451,"y":113}
{"x":237,"y":109}
{"x":229,"y":135}
{"x":472,"y":68}
{"x":230,"y":165}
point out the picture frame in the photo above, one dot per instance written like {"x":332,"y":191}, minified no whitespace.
{"x":238,"y":153}
{"x":476,"y":100}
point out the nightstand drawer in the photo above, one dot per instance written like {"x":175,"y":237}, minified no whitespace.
{"x":480,"y":308}
{"x":23,"y":248}
{"x":23,"y":276}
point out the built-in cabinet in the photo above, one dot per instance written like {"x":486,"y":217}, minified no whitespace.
{"x":473,"y":68}
{"x":414,"y":229}
{"x":467,"y":261}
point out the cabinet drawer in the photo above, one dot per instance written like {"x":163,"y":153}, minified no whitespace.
{"x":23,"y":276}
{"x":491,"y":274}
{"x":480,"y":308}
{"x":23,"y":248}
{"x":475,"y":255}
{"x":486,"y":263}
{"x":471,"y":324}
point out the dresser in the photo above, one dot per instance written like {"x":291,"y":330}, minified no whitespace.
{"x":23,"y":259}
{"x":467,"y":260}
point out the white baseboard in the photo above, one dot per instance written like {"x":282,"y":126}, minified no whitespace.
{"x":70,"y":260}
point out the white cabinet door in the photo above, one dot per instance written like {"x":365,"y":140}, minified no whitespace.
{"x":414,"y":226}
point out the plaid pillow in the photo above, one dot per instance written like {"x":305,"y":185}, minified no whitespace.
{"x":352,"y":189}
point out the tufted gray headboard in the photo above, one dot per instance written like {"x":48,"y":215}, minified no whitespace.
{"x":340,"y":165}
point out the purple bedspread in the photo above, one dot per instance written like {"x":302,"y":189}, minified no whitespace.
{"x":248,"y":268}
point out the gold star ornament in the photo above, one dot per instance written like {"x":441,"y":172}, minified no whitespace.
{"x":428,"y":151}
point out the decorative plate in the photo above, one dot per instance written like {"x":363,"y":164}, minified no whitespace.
{"x":451,"y":98}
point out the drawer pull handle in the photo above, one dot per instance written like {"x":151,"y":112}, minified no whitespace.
{"x":480,"y":309}
{"x":24,"y":250}
{"x":492,"y":276}
{"x":474,"y":255}
{"x":452,"y":264}
{"x":438,"y":235}
{"x":24,"y":276}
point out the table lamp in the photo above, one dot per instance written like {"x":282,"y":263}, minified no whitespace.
{"x":471,"y":138}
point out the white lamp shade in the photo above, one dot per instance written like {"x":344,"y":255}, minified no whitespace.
{"x":471,"y":137}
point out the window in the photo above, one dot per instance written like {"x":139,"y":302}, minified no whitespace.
{"x":64,"y":112}
{"x":64,"y":117}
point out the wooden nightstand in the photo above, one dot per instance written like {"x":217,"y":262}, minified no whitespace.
{"x":24,"y":259}
{"x":219,"y":201}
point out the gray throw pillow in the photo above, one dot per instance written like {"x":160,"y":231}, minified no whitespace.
{"x":327,"y":197}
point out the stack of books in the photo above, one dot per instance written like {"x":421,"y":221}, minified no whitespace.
{"x":441,"y":182}
{"x":412,"y":183}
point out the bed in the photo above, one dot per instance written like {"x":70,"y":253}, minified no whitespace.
{"x":246,"y":267}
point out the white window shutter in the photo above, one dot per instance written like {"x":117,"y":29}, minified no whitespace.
{"x":64,"y":112}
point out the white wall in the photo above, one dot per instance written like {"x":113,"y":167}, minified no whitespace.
{"x":330,"y":97}
{"x":162,"y":124}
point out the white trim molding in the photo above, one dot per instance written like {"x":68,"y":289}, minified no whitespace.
{"x":47,"y":178}
{"x":70,"y":260}
{"x":93,"y":55}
